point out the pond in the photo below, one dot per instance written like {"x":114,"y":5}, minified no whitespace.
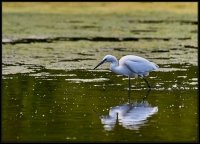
{"x":50,"y":91}
{"x":58,"y":105}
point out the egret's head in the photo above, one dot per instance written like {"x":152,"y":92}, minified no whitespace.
{"x":107,"y":58}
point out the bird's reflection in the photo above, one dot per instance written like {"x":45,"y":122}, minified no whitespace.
{"x":130,"y":115}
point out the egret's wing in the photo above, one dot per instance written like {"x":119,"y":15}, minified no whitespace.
{"x":139,"y":67}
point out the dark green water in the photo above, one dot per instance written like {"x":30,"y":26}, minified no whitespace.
{"x":55,"y":105}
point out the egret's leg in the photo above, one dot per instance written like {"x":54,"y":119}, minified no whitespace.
{"x":129,"y":89}
{"x":147,"y":83}
{"x":129,"y":96}
{"x":129,"y":83}
{"x":147,"y":94}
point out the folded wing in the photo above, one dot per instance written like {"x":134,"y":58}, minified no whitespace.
{"x":140,"y":67}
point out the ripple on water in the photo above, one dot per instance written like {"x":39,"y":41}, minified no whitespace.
{"x":48,"y":74}
{"x":194,"y":79}
{"x":181,"y":76}
{"x":99,"y":70}
{"x":87,"y":80}
{"x":170,"y":69}
{"x":193,"y":83}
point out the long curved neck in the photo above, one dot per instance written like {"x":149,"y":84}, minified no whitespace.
{"x":114,"y":64}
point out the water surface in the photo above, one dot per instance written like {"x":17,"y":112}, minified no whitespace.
{"x":59,"y":105}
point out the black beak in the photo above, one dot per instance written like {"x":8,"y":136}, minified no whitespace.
{"x":100,"y":63}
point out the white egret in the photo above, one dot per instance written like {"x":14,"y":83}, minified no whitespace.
{"x":131,"y":66}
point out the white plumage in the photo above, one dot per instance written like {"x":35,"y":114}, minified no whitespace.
{"x":130,"y":65}
{"x":137,"y":65}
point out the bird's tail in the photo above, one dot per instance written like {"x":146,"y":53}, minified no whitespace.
{"x":155,"y":66}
